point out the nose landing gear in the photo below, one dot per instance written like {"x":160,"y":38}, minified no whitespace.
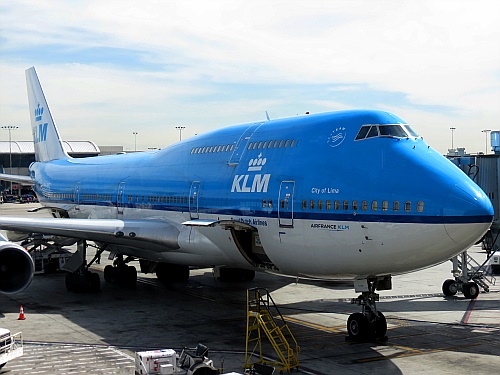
{"x":371,"y":323}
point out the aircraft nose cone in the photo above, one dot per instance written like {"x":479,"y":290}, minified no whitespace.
{"x":467,"y":214}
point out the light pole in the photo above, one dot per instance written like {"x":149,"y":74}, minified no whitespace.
{"x":135,"y":140}
{"x":485,"y":131}
{"x":452,"y":129}
{"x":10,"y":128}
{"x":180,"y":131}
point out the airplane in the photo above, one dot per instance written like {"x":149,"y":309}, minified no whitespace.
{"x":353,"y":194}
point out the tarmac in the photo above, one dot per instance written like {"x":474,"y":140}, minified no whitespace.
{"x":99,"y":333}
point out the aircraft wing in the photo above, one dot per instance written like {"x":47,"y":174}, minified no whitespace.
{"x":24,"y":180}
{"x":131,"y":233}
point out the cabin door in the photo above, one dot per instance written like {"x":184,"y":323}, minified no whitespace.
{"x":77,"y":196}
{"x":120,"y":198}
{"x":285,"y":206}
{"x":193,"y":199}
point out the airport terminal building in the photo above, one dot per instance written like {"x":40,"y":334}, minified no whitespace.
{"x":16,"y":156}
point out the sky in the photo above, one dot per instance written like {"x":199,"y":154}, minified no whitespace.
{"x":113,"y":68}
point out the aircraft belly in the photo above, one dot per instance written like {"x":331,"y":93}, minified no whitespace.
{"x":347,"y":249}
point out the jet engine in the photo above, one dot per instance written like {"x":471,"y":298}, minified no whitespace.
{"x":16,"y":267}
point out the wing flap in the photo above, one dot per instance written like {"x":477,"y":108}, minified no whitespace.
{"x":144,"y":234}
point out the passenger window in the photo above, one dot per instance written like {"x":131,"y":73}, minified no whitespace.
{"x":311,"y":204}
{"x":385,"y":206}
{"x":282,"y":203}
{"x":287,"y":143}
{"x":281,"y":144}
{"x":293,"y":143}
{"x":395,"y":206}
{"x":270,"y":144}
{"x":364,"y":205}
{"x":336,"y":205}
{"x":407,"y":206}
{"x":250,"y":144}
{"x":264,"y":203}
{"x":270,"y":204}
{"x":328,"y":205}
{"x":420,"y":206}
{"x":264,"y":145}
{"x":260,"y":145}
{"x":346,"y":205}
{"x":254,"y":145}
{"x":355,"y":205}
{"x":304,"y":205}
{"x":275,"y":144}
{"x":374,"y":205}
{"x":320,"y":205}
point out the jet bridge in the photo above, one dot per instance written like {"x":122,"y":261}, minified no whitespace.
{"x":484,"y":170}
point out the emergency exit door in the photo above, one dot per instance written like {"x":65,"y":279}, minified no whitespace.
{"x":285,"y":206}
{"x":193,"y":199}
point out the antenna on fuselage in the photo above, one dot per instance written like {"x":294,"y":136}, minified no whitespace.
{"x":267,"y":115}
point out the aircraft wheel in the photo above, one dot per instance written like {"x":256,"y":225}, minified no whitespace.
{"x":358,"y":326}
{"x":471,"y":290}
{"x":380,"y":326}
{"x":109,"y":274}
{"x":450,"y":288}
{"x":94,"y":282}
{"x":130,"y":276}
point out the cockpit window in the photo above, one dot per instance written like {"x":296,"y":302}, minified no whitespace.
{"x":362,"y":132}
{"x":410,"y":131}
{"x":396,"y":130}
{"x":373,"y":132}
{"x":392,"y":131}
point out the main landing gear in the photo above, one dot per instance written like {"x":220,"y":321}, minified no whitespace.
{"x":371,"y":323}
{"x":120,"y":272}
{"x":79,"y":278}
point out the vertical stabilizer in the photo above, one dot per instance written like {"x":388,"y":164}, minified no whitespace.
{"x":48,"y":145}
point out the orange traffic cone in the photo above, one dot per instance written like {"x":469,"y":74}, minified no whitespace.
{"x":21,"y":313}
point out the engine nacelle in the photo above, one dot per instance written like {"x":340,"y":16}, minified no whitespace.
{"x":16,"y":268}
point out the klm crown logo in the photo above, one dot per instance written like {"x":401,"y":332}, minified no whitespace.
{"x":38,"y":113}
{"x":257,"y":163}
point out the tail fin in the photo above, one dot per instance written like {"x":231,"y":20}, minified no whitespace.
{"x":48,"y":144}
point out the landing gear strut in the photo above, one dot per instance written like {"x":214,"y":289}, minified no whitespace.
{"x":79,"y":278}
{"x":371,"y":323}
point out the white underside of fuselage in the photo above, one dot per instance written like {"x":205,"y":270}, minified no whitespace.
{"x":317,"y":249}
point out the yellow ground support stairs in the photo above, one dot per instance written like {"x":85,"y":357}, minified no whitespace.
{"x":264,"y":320}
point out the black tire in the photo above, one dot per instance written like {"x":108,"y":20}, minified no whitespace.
{"x":109,"y":274}
{"x":450,"y":288}
{"x":130,"y":278}
{"x":358,"y":327}
{"x":471,"y":290}
{"x":380,"y":326}
{"x":94,"y":282}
